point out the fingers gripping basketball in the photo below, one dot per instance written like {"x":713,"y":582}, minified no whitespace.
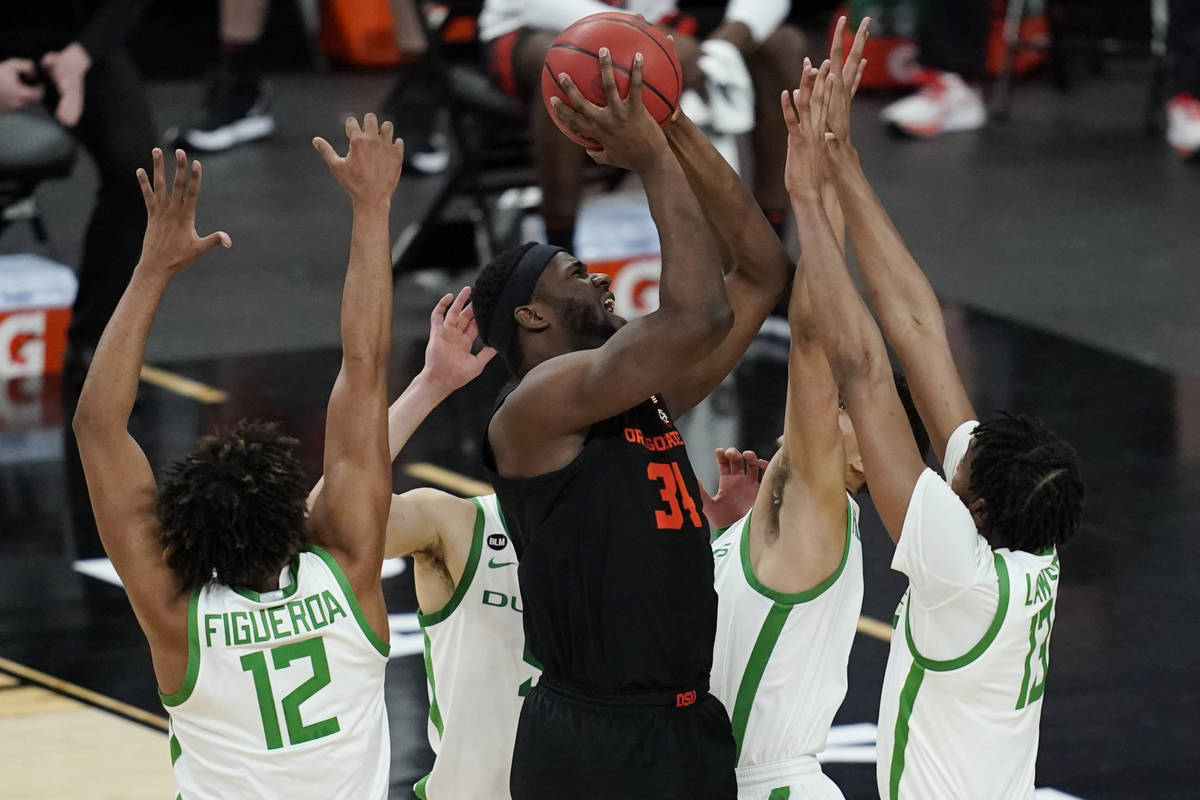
{"x":577,"y":52}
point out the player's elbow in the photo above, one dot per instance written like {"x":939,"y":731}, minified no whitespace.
{"x":714,"y":322}
{"x":854,"y":359}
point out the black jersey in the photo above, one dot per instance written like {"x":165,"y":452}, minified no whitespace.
{"x":616,"y":570}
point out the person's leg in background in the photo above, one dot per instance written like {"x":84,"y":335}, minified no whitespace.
{"x":236,"y":108}
{"x":117,"y":130}
{"x":1183,"y":49}
{"x":775,"y":65}
{"x":415,"y":99}
{"x":952,"y":40}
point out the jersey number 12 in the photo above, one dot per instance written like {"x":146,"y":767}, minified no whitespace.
{"x":282,"y":657}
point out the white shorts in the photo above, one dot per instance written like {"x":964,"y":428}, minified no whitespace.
{"x":798,"y":778}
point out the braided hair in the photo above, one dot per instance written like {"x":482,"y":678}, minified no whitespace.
{"x":1030,"y":481}
{"x":232,"y":511}
{"x":485,"y":295}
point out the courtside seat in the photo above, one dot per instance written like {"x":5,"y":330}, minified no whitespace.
{"x":33,"y":148}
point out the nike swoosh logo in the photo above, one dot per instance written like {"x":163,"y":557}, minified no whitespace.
{"x":492,"y":563}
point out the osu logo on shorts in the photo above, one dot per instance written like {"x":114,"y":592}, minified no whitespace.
{"x":497,"y":541}
{"x":685,"y":699}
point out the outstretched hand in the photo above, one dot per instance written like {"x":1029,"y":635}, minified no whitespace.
{"x":737,"y":486}
{"x":452,"y":331}
{"x":805,"y":112}
{"x":848,"y":74}
{"x":171,"y":242}
{"x":626,"y":135}
{"x":371,"y":167}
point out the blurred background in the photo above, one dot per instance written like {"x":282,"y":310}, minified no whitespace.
{"x":1039,"y":157}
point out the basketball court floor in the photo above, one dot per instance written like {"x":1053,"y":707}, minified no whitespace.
{"x":1064,"y":242}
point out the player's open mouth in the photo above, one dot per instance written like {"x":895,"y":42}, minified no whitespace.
{"x":609,"y":303}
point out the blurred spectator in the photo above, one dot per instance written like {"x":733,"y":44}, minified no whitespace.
{"x":952,"y":40}
{"x":70,"y":55}
{"x":518,"y":34}
{"x":236,"y":106}
{"x":1183,"y":48}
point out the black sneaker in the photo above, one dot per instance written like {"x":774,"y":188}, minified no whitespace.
{"x":234,"y":112}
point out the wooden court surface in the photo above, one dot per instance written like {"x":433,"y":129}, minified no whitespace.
{"x":58,"y":746}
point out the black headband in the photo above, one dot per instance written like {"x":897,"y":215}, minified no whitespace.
{"x":517,"y":292}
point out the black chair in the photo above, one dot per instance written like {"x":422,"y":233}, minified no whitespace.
{"x":33,"y":148}
{"x":1087,"y":36}
{"x":490,"y":139}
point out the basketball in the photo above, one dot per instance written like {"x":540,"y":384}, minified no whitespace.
{"x":577,"y":53}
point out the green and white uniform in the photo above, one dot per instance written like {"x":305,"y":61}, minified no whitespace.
{"x":779,"y":665}
{"x":478,"y":673}
{"x":283,"y":695}
{"x":962,"y":694}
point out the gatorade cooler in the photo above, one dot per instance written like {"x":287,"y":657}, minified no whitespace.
{"x":615,"y":234}
{"x":36,"y":295}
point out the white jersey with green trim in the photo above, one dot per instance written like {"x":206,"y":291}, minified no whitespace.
{"x":478,"y":669}
{"x":779,"y":664}
{"x":961,"y":704}
{"x":283,"y":695}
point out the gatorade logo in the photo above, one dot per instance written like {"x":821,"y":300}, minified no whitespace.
{"x":22,"y":344}
{"x":497,"y":541}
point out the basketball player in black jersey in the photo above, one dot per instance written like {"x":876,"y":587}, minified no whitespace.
{"x":616,"y":571}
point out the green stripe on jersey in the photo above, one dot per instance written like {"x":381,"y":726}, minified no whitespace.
{"x":176,"y":750}
{"x":908,"y":698}
{"x":760,"y":654}
{"x":782,"y":793}
{"x":435,"y":713}
{"x":468,"y":574}
{"x":193,"y":655}
{"x":378,"y":643}
{"x":983,"y":644}
{"x":419,"y":788}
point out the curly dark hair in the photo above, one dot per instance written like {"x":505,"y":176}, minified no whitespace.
{"x":485,"y":294}
{"x":232,"y":511}
{"x":1030,"y":481}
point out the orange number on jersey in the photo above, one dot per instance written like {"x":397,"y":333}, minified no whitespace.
{"x":672,"y":486}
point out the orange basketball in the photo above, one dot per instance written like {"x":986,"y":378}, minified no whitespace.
{"x":577,"y":53}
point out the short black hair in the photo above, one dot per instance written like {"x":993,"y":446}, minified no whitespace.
{"x":914,"y":419}
{"x":232,"y":511}
{"x":485,"y":295}
{"x":1031,"y":483}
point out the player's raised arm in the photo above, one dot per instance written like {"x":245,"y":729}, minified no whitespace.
{"x":757,"y":268}
{"x":350,"y":515}
{"x":120,"y":481}
{"x":449,"y":365}
{"x":693,"y":315}
{"x":853,"y":344}
{"x":901,"y":295}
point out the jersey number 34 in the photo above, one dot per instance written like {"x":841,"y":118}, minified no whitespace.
{"x":282,"y":657}
{"x":674,"y":492}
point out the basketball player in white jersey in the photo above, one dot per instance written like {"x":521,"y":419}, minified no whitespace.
{"x":464,"y":568}
{"x":789,"y":574}
{"x":966,"y":673}
{"x":268,"y":632}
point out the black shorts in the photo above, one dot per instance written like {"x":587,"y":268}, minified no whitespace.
{"x":581,"y":745}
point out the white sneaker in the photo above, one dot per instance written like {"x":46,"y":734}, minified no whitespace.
{"x":1183,"y":124}
{"x":943,"y":104}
